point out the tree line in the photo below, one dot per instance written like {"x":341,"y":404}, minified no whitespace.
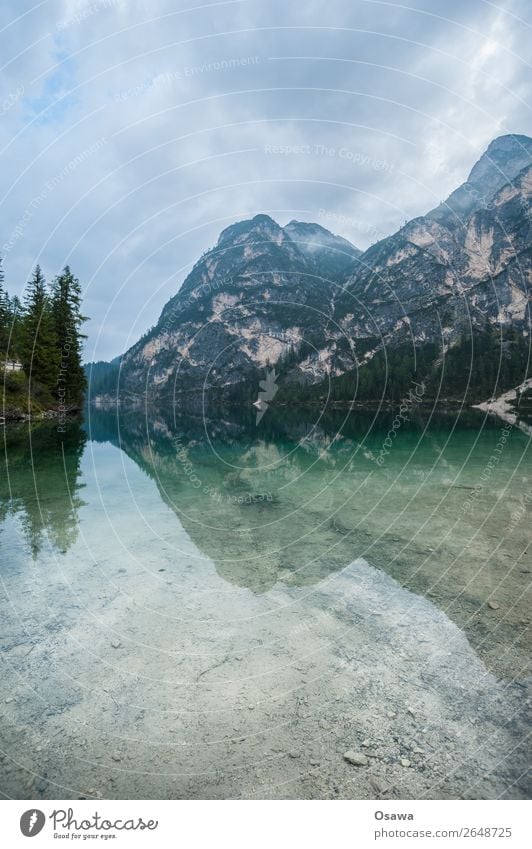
{"x":479,"y":365}
{"x":42,"y":332}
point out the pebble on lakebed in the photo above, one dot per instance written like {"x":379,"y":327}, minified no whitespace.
{"x":356,"y":758}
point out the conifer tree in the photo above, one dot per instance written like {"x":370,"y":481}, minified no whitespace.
{"x":39,"y":351}
{"x":4,"y":316}
{"x":66,"y":310}
{"x":16,"y":315}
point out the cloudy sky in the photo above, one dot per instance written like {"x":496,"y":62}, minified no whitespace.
{"x":132,"y":132}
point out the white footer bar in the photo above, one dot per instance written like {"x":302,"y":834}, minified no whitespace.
{"x":267,"y":824}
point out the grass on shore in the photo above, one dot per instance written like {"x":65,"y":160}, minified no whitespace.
{"x":20,"y":399}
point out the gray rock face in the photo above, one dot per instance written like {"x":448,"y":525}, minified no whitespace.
{"x":263,"y":290}
{"x":500,"y":164}
{"x":331,"y":255}
{"x":465,"y":263}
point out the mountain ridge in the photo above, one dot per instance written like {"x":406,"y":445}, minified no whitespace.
{"x":302,"y":296}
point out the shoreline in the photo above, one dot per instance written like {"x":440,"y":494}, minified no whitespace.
{"x":17,"y":416}
{"x":130,"y":403}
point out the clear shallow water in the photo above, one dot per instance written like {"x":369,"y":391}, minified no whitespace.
{"x":205,"y":607}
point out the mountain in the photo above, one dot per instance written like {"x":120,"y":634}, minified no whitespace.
{"x":258,"y":293}
{"x":311,"y":304}
{"x":505,"y":157}
{"x":466,"y":262}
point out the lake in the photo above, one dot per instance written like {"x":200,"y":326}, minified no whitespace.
{"x":205,"y":606}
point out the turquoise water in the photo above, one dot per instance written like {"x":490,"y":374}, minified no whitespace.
{"x":203,"y":606}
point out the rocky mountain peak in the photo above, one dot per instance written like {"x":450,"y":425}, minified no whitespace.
{"x":313,"y":238}
{"x":328,"y":253}
{"x":306,"y":228}
{"x":505,"y":157}
{"x":260,"y":225}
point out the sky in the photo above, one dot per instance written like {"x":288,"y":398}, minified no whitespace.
{"x":133,"y":132}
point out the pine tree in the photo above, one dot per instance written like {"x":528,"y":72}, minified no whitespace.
{"x":4,"y":316}
{"x":66,"y":310}
{"x":16,"y":316}
{"x":40,"y":356}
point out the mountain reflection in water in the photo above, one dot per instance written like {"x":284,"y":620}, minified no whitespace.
{"x":299,"y":497}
